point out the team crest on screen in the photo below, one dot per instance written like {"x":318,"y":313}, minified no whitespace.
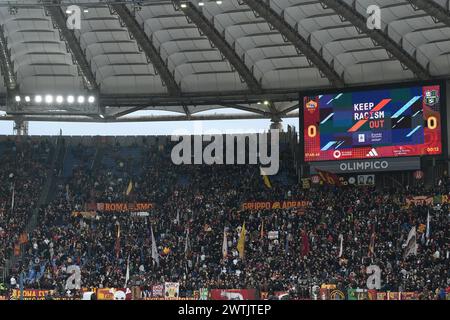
{"x":431,"y":97}
{"x":311,"y":106}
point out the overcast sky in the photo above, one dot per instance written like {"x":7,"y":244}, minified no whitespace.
{"x":145,"y":128}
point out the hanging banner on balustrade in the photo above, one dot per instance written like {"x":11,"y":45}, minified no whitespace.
{"x":234,"y":294}
{"x":85,"y":214}
{"x":171,"y":290}
{"x":158,"y":291}
{"x":120,"y":207}
{"x":273,"y":205}
{"x":114,"y":294}
{"x":31,"y":294}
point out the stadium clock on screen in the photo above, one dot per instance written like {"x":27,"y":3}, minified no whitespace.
{"x":373,"y":124}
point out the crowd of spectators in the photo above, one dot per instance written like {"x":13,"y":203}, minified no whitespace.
{"x":23,"y":172}
{"x":196,"y":204}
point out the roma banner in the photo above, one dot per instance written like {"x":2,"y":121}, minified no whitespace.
{"x":234,"y":294}
{"x":30,"y":294}
{"x":120,"y":207}
{"x":273,"y":205}
{"x":171,"y":290}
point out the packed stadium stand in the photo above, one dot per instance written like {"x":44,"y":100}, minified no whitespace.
{"x":193,"y":207}
{"x":358,"y":210}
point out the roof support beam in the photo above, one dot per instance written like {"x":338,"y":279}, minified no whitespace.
{"x":148,"y":47}
{"x":433,"y":9}
{"x":208,"y":29}
{"x":186,"y":111}
{"x":140,"y":118}
{"x":248,"y":109}
{"x":290,"y":109}
{"x":301,"y":44}
{"x":198,"y":100}
{"x":60,"y":20}
{"x":378,"y":36}
{"x":6,"y":64}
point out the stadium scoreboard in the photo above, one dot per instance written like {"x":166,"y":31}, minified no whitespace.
{"x":373,"y":124}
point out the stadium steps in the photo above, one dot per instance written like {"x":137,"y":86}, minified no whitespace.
{"x":56,"y":157}
{"x":71,"y":161}
{"x":98,"y":158}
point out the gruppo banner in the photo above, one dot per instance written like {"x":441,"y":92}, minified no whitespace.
{"x":120,"y":207}
{"x":234,"y":294}
{"x":272,"y":205}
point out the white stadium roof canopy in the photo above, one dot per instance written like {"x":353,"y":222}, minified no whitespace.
{"x":188,"y":57}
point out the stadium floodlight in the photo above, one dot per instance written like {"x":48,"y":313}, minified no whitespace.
{"x":91,"y":99}
{"x":27,"y":99}
{"x":48,"y":99}
{"x":38,"y":99}
{"x":201,"y":3}
{"x":18,"y":98}
{"x":80,"y":99}
{"x":70,"y":99}
{"x":219,"y":2}
{"x":86,"y":10}
{"x":69,"y":11}
{"x":184,"y":5}
{"x":266,"y":103}
{"x":59,"y":99}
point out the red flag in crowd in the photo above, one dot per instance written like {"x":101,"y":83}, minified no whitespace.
{"x":329,"y":178}
{"x":305,"y":243}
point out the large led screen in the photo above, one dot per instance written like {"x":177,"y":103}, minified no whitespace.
{"x":373,"y":124}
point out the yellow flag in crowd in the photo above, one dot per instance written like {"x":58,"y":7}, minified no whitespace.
{"x":267,"y":182}
{"x":241,"y":242}
{"x":130,"y":188}
{"x":265,"y":178}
